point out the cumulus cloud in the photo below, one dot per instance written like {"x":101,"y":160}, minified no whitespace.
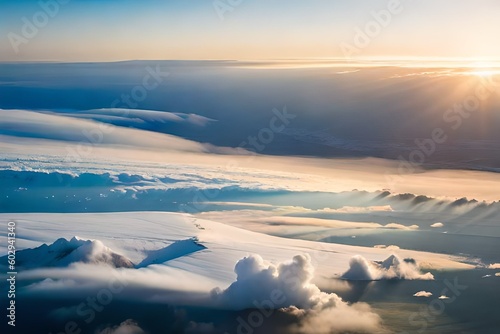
{"x":392,"y":268}
{"x":288,"y":282}
{"x":442,"y":297}
{"x":129,"y":326}
{"x":494,"y":266}
{"x":437,"y":225}
{"x":287,"y":286}
{"x":425,"y":294}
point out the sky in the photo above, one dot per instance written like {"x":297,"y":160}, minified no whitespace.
{"x":113,"y":30}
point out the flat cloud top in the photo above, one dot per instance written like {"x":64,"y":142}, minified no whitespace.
{"x":424,"y":294}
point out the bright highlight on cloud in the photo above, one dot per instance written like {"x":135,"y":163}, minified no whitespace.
{"x":129,"y":326}
{"x":258,"y":279}
{"x":437,"y":225}
{"x":425,"y":294}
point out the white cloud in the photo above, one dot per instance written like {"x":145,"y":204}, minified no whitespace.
{"x":132,"y":116}
{"x":437,"y":225}
{"x":257,"y":279}
{"x":129,"y":326}
{"x":494,"y":266}
{"x":401,"y":226}
{"x":199,"y":327}
{"x":263,"y":285}
{"x":390,"y":247}
{"x":442,"y":297}
{"x":425,"y":294}
{"x":392,"y":268}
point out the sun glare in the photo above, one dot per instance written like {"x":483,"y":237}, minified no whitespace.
{"x":484,"y":73}
{"x":484,"y":70}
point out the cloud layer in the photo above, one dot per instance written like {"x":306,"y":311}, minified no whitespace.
{"x":64,"y":252}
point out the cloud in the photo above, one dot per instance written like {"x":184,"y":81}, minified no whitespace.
{"x":357,"y":209}
{"x":393,"y":267}
{"x":437,"y":225}
{"x":257,"y":279}
{"x":425,"y":294}
{"x":39,"y":128}
{"x":497,"y":274}
{"x":64,"y":252}
{"x":129,"y":326}
{"x":199,"y":327}
{"x":29,"y":124}
{"x":442,"y":297}
{"x":494,"y":266}
{"x":401,"y":226}
{"x":287,"y":286}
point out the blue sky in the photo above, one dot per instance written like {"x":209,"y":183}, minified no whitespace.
{"x":255,"y":29}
